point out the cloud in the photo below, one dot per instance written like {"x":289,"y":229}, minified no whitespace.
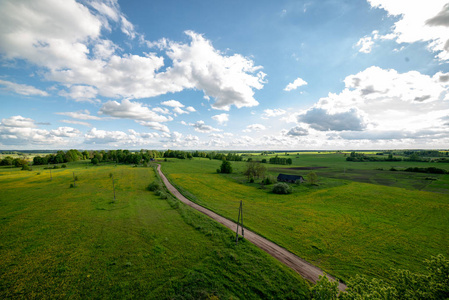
{"x":21,"y":89}
{"x":268,"y":113}
{"x":322,"y":120}
{"x":298,"y":131}
{"x":222,"y":119}
{"x":120,"y":138}
{"x":64,"y":41}
{"x":179,"y":111}
{"x":378,"y":102}
{"x":161,"y":110}
{"x":131,"y":110}
{"x":172,"y":103}
{"x":176,"y":105}
{"x":21,"y":131}
{"x":81,"y":93}
{"x":419,"y":21}
{"x":81,"y":115}
{"x":18,"y":121}
{"x":254,"y":127}
{"x":155,"y":126}
{"x":96,"y":136}
{"x":200,"y":126}
{"x":227,"y":79}
{"x":66,"y":132}
{"x":366,"y":43}
{"x":77,"y":123}
{"x":295,"y":84}
{"x":441,"y":19}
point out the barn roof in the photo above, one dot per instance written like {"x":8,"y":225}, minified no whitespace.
{"x":282,"y":177}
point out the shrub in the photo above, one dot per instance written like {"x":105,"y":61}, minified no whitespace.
{"x":282,"y":188}
{"x":163,"y":195}
{"x":63,"y":166}
{"x":94,"y":161}
{"x":154,"y":186}
{"x":71,"y":185}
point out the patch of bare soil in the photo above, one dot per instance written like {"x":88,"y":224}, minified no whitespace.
{"x":302,"y":267}
{"x":307,"y":168}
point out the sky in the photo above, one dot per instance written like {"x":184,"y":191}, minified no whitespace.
{"x":224,"y":75}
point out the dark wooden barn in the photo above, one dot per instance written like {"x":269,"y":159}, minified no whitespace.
{"x":290,"y":178}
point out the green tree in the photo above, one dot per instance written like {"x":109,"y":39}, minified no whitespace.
{"x":312,"y":178}
{"x":226,"y":167}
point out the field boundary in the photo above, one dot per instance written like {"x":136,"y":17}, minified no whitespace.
{"x":299,"y":265}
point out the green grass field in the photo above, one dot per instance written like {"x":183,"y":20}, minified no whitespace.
{"x":344,"y":225}
{"x":62,"y":242}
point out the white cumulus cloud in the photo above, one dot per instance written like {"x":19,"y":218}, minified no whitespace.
{"x":131,"y":110}
{"x":419,"y":21}
{"x":222,"y":119}
{"x":254,"y":127}
{"x":295,"y":84}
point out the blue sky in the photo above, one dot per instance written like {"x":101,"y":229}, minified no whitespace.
{"x":237,"y":75}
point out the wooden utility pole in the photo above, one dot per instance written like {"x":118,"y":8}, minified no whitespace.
{"x":239,"y":223}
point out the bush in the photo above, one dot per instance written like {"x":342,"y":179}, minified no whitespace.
{"x":63,"y":166}
{"x":282,"y":188}
{"x":154,"y":186}
{"x":163,"y":195}
{"x":94,"y":161}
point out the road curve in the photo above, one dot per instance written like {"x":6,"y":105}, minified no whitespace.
{"x":302,"y":267}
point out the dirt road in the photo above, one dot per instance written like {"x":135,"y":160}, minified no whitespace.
{"x":299,"y":265}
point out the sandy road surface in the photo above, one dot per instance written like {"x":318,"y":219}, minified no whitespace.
{"x":302,"y":267}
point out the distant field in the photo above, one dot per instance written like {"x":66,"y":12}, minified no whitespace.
{"x":344,"y":225}
{"x":335,"y":166}
{"x":62,"y":242}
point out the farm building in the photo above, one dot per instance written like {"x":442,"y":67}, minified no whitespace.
{"x":290,"y":178}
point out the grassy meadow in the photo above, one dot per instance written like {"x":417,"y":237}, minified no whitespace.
{"x":77,"y":243}
{"x":360,"y":219}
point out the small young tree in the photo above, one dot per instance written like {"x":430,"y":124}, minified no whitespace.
{"x":312,"y":178}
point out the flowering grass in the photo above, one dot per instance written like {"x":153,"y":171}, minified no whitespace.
{"x":77,"y":243}
{"x":345,"y":227}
